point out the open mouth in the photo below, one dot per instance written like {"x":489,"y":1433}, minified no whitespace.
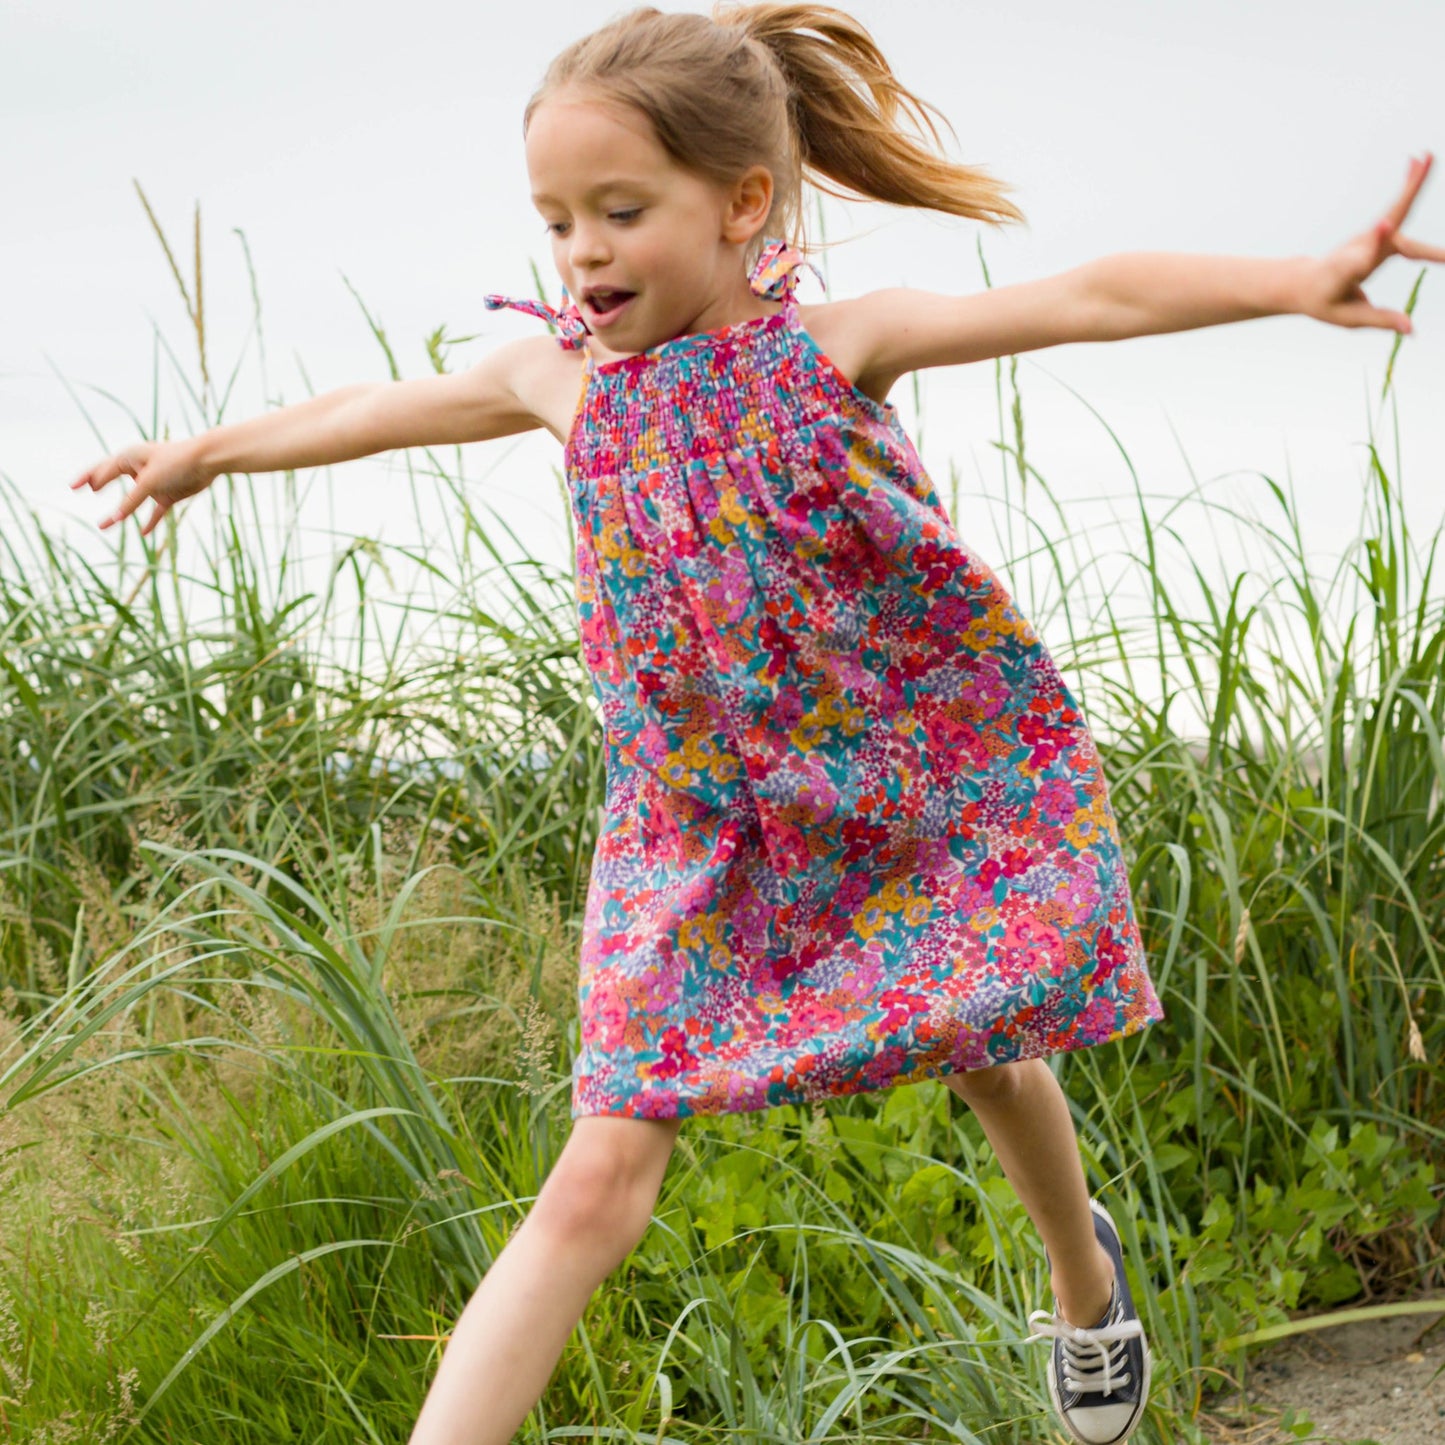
{"x":604,"y":304}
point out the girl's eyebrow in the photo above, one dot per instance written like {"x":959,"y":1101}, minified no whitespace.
{"x":601,"y":188}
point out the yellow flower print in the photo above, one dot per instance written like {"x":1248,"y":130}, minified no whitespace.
{"x":730,"y":506}
{"x":805,"y":736}
{"x":983,"y":920}
{"x":724,"y":768}
{"x":832,"y":709}
{"x":700,"y":932}
{"x":895,"y":895}
{"x":675,"y":771}
{"x":697,"y":751}
{"x":915,"y":915}
{"x":870,"y":920}
{"x":1084,"y":831}
{"x":609,"y":541}
{"x":988,"y":631}
{"x":1105,"y":816}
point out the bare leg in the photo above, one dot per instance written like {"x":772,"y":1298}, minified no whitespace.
{"x":592,"y":1210}
{"x":1026,"y":1118}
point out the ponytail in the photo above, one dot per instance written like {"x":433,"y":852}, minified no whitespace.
{"x":801,"y":89}
{"x":844,"y":103}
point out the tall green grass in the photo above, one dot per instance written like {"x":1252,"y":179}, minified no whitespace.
{"x":290,"y":888}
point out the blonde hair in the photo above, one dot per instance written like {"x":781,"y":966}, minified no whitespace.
{"x":801,"y":89}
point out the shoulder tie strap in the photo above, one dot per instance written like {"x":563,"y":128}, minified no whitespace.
{"x":566,"y":318}
{"x":775,"y":273}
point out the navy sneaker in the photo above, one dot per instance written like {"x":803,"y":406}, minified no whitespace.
{"x":1098,"y":1377}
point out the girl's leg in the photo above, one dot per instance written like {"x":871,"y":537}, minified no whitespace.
{"x":1026,"y":1118}
{"x":592,"y":1210}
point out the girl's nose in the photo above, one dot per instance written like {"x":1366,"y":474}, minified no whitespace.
{"x":589,"y":246}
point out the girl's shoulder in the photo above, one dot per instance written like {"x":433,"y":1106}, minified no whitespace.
{"x":848,"y":333}
{"x":547,"y":380}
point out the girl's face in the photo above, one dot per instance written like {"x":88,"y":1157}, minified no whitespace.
{"x":646,"y":249}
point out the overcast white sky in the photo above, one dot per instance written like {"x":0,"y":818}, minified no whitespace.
{"x":379,"y":145}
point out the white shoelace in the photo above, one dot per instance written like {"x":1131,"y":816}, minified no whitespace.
{"x":1091,"y":1356}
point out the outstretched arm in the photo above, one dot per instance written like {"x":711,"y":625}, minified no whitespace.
{"x":1139,"y":294}
{"x":352,"y":421}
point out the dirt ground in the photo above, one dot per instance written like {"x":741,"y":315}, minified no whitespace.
{"x":1380,"y":1380}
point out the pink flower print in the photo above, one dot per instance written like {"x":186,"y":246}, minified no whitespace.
{"x":951,"y":614}
{"x":885,"y":1064}
{"x":974,"y":893}
{"x":944,"y":732}
{"x":786,"y":845}
{"x":1099,"y":1019}
{"x":778,"y":643}
{"x":1044,"y":740}
{"x":899,"y":1005}
{"x":935,"y":564}
{"x":683,"y":541}
{"x":603,"y":1020}
{"x":863,"y":982}
{"x":731,"y":589}
{"x":1079,"y":894}
{"x":850,"y":893}
{"x":662,"y":991}
{"x":862,"y":839}
{"x":787,"y":709}
{"x":811,"y":1019}
{"x":1016,"y":861}
{"x":1037,"y":947}
{"x":986,"y":694}
{"x":1110,"y":952}
{"x":654,"y":1104}
{"x":676,"y":1056}
{"x":652,"y":742}
{"x":1056,"y":800}
{"x":973,"y":749}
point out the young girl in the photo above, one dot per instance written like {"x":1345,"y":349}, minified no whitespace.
{"x":856,"y":832}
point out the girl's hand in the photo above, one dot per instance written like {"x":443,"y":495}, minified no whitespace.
{"x":1331,"y":289}
{"x":166,"y":472}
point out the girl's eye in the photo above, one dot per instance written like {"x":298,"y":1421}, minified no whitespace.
{"x":626,"y":215}
{"x":556,"y":228}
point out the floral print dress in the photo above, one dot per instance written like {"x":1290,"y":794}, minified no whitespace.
{"x":856,"y":831}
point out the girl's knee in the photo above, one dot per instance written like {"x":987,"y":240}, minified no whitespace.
{"x":991,"y":1084}
{"x":606,"y":1180}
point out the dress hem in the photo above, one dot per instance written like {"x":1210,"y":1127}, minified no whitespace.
{"x":797,"y":1094}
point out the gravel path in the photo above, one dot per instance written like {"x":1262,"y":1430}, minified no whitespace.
{"x":1380,"y":1380}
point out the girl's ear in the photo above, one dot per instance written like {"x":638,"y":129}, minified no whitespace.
{"x":748,"y":204}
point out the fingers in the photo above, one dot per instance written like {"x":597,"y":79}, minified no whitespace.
{"x":128,"y":504}
{"x":1414,"y":179}
{"x":97,"y":476}
{"x":1417,"y":250}
{"x":157,"y":512}
{"x":106,"y":471}
{"x":1362,"y":313}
